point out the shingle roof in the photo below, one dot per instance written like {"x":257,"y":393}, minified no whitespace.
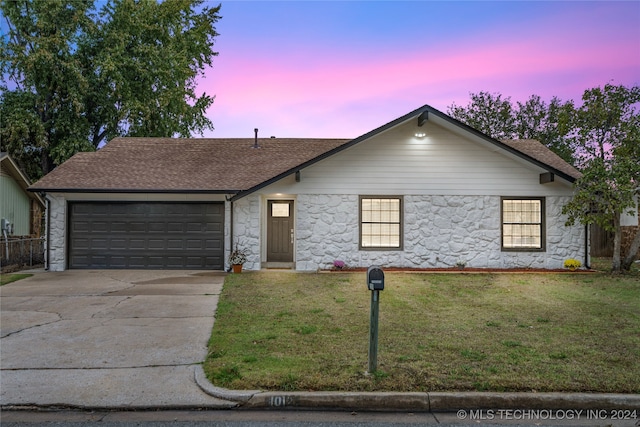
{"x":182,"y":165}
{"x":540,"y":152}
{"x":233,"y":165}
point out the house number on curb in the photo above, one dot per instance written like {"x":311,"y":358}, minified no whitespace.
{"x":280,"y":401}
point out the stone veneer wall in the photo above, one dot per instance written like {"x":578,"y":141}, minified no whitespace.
{"x":246,"y":231}
{"x":438,"y":232}
{"x":56,"y":244}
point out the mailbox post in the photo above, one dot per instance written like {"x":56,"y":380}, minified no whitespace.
{"x":375,"y":283}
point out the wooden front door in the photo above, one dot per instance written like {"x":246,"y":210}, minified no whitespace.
{"x":280,"y":231}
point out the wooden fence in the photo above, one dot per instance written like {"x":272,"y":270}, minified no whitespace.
{"x":601,"y":241}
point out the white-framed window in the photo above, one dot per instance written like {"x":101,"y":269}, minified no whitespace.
{"x":523,"y":223}
{"x":381,"y":222}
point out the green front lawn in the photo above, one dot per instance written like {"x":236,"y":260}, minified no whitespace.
{"x":8,"y":278}
{"x":446,"y":332}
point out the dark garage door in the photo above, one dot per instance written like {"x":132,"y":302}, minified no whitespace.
{"x":146,"y":235}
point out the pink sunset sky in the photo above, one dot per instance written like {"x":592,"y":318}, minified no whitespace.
{"x":340,"y":69}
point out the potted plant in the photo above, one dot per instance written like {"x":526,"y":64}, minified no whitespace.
{"x":572,"y":264}
{"x":237,"y":258}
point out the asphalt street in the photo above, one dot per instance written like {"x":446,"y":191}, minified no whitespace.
{"x":274,"y":418}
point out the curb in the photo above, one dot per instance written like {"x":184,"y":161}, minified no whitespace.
{"x":237,"y":396}
{"x":418,"y":401}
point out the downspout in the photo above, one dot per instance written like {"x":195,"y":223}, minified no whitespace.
{"x":47,"y":227}
{"x":587,"y":258}
{"x":230,"y":200}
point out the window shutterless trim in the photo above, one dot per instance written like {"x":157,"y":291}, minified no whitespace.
{"x":400,"y":246}
{"x":542,"y":224}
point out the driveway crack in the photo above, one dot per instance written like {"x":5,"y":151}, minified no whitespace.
{"x":36,"y":326}
{"x":115,"y":279}
{"x":125,"y":298}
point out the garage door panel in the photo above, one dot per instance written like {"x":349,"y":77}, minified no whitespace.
{"x":80,"y":226}
{"x":176,"y":227}
{"x":97,"y":259}
{"x":193,"y":244}
{"x":157,"y":227}
{"x":194,"y":227}
{"x":118,"y":227}
{"x":156,"y":244}
{"x":99,"y":227}
{"x":213,"y":244}
{"x":119,"y":244}
{"x":102,"y":244}
{"x":139,"y":244}
{"x":146,"y":235}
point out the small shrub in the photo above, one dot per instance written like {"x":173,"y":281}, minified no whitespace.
{"x":572,"y":264}
{"x":338,"y":264}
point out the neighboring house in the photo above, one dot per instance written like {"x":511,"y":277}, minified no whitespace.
{"x":422,"y":191}
{"x":20,"y":208}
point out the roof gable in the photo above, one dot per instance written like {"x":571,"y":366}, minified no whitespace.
{"x":234,"y":166}
{"x":9,"y":166}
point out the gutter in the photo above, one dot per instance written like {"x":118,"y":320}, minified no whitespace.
{"x":129,"y":191}
{"x":230,"y":200}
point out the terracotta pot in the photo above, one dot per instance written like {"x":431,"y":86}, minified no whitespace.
{"x":237,"y":268}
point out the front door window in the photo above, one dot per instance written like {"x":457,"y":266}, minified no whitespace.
{"x":280,"y":231}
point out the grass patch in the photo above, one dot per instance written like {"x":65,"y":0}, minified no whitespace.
{"x":8,"y":278}
{"x":437,"y":332}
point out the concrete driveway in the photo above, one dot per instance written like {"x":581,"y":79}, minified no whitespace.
{"x":107,"y":338}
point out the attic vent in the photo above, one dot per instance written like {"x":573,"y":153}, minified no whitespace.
{"x":255,"y":142}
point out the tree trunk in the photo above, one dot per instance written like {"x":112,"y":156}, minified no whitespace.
{"x":633,"y":252}
{"x":617,"y":244}
{"x":46,"y":163}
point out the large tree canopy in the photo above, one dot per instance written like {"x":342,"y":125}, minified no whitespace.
{"x":606,"y":137}
{"x":78,"y":77}
{"x":601,"y":138}
{"x":499,"y":118}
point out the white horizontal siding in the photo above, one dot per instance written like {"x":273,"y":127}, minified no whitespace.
{"x":15,"y":205}
{"x":396,"y":162}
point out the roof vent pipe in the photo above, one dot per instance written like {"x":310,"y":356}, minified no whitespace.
{"x":255,"y":143}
